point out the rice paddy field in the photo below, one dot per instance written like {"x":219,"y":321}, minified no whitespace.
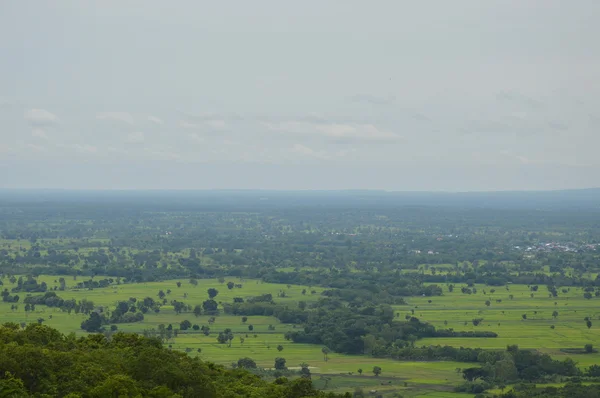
{"x":456,"y":310}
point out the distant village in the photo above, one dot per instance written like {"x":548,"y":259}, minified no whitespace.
{"x":559,"y":247}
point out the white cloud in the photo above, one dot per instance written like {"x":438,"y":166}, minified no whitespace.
{"x":161,"y":154}
{"x":80,"y":148}
{"x":39,"y":133}
{"x":155,"y":120}
{"x":367,"y":132}
{"x":41,"y":117}
{"x":196,"y":137}
{"x":84,"y":148}
{"x":136,"y":137}
{"x":216,"y":124}
{"x":187,"y":125}
{"x":373,"y":99}
{"x":119,"y":151}
{"x":36,"y":148}
{"x":116,"y":116}
{"x":5,"y":148}
{"x":308,"y":152}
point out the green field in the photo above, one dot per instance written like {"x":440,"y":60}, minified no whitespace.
{"x":339,"y":373}
{"x":505,"y":318}
{"x":342,"y":369}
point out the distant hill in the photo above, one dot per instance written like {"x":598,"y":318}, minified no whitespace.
{"x":588,"y":199}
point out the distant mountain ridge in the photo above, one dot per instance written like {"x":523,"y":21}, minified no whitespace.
{"x":255,"y":199}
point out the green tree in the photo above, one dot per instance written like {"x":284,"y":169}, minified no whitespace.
{"x":118,"y":385}
{"x":376,"y":370}
{"x":185,"y":325}
{"x":197,"y":310}
{"x":210,"y":307}
{"x":246,"y":363}
{"x":280,"y":363}
{"x":12,"y":387}
{"x":305,"y":370}
{"x":325,"y":352}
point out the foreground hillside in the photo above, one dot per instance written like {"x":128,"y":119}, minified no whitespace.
{"x":40,"y":361}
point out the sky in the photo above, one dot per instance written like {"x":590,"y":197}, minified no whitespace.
{"x":463,"y":95}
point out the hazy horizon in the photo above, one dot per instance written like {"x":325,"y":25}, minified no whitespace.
{"x":341,"y":95}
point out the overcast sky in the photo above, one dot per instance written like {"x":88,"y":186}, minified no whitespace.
{"x":397,"y":95}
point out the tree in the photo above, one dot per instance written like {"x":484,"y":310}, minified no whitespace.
{"x":524,"y":316}
{"x":225,"y":337}
{"x":93,"y":324}
{"x":244,"y":319}
{"x":488,"y":302}
{"x":279,"y":348}
{"x":589,"y":348}
{"x":250,"y":327}
{"x":360,"y":371}
{"x":505,"y":370}
{"x":185,"y":325}
{"x":178,"y":284}
{"x":116,"y":385}
{"x":376,"y":370}
{"x":588,"y":324}
{"x":230,"y":285}
{"x":246,"y":363}
{"x":280,"y":363}
{"x":197,"y":310}
{"x":212,"y":293}
{"x":554,"y":314}
{"x":12,"y":387}
{"x":472,"y":374}
{"x":587,"y":295}
{"x":194,"y":282}
{"x":210,"y":307}
{"x":178,"y":306}
{"x":305,"y":370}
{"x":325,"y":352}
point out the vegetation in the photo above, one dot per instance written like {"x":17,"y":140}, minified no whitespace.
{"x":40,"y":361}
{"x":381,"y":297}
